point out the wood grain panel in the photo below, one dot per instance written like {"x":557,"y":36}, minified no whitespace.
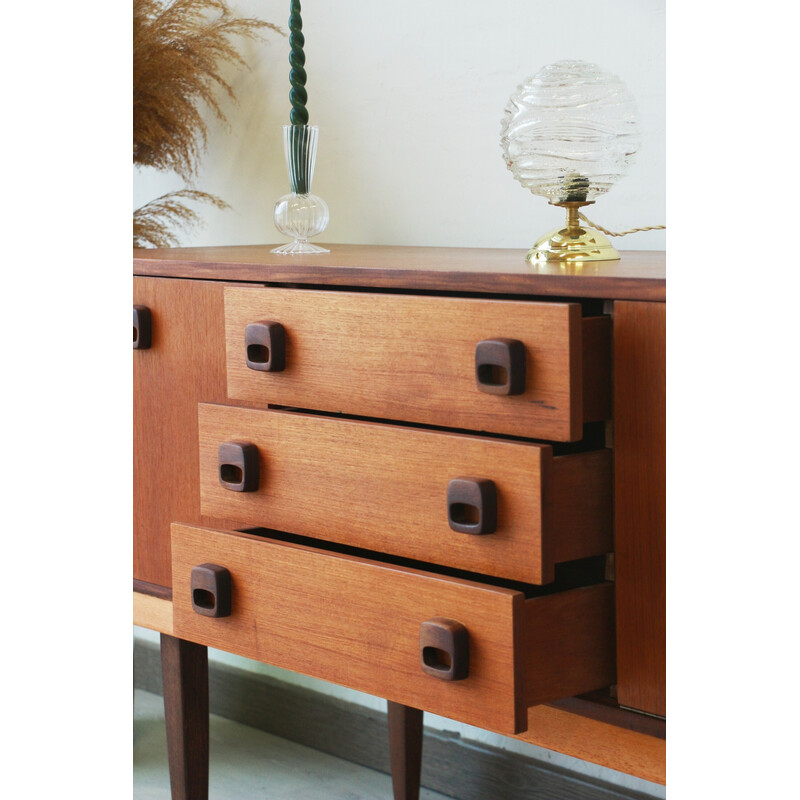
{"x":185,"y":364}
{"x":582,"y":506}
{"x":601,"y":743}
{"x":585,"y":658}
{"x":151,"y":612}
{"x":384,"y":488}
{"x":597,"y":346}
{"x":638,"y":275}
{"x":412,"y":358}
{"x":353,"y":622}
{"x":640,"y":498}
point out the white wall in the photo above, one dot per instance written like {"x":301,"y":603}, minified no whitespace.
{"x":408,"y":97}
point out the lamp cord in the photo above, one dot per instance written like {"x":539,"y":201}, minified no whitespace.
{"x":621,"y":233}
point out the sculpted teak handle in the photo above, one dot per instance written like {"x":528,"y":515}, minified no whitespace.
{"x":142,"y":328}
{"x":265,"y":346}
{"x":211,"y":590}
{"x":500,"y":366}
{"x":444,"y":649}
{"x":238,"y":466}
{"x":472,"y":505}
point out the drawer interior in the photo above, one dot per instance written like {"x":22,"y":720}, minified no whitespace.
{"x":569,"y":575}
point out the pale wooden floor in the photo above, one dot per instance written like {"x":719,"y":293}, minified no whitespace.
{"x":251,"y":764}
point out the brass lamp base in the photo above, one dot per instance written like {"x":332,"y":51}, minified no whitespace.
{"x":575,"y":243}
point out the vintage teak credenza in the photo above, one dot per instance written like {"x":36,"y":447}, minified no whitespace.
{"x":434,"y":475}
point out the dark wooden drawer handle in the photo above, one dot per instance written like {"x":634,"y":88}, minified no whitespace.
{"x":142,"y":328}
{"x":472,"y":505}
{"x":265,"y":346}
{"x":238,"y":466}
{"x":500,"y":366}
{"x":444,"y":649}
{"x":211,"y":590}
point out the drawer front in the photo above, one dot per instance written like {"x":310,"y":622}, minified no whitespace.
{"x":414,"y":358}
{"x":410,"y":492}
{"x":358,"y":623}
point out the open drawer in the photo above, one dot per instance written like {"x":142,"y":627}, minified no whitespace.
{"x":464,"y":649}
{"x":532,"y":369}
{"x":492,"y":506}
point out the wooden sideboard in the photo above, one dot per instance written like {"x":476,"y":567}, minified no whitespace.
{"x":435,"y":475}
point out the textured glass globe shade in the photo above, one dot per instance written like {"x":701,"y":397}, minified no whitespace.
{"x":569,"y":132}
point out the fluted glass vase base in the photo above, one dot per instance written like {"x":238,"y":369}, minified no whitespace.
{"x":298,"y":248}
{"x":300,"y":215}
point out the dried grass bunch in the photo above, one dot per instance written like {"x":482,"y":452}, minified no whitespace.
{"x":179,"y":48}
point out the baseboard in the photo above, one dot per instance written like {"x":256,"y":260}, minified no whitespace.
{"x":450,"y":765}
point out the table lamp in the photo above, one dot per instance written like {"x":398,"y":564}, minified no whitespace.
{"x":569,"y":134}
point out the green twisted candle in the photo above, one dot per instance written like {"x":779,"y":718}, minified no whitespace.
{"x":297,"y":75}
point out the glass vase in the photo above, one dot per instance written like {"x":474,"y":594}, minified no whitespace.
{"x":300,"y":214}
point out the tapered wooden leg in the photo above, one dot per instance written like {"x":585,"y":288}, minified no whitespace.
{"x":405,"y":750}
{"x":185,"y":669}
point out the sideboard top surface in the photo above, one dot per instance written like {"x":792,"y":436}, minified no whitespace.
{"x":638,"y":275}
